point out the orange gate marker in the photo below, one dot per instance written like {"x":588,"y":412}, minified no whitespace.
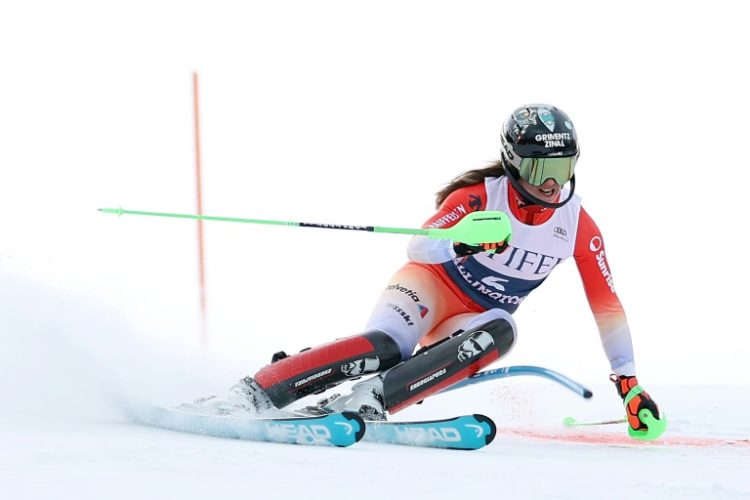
{"x":199,"y":200}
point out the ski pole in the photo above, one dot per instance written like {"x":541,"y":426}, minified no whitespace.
{"x":474,"y":229}
{"x":572,"y":422}
{"x":512,"y":371}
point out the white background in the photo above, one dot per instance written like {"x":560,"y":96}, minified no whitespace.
{"x":355,"y":112}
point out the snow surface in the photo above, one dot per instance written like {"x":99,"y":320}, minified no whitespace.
{"x":65,"y":374}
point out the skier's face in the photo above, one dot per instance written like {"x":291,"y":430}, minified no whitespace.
{"x":549,"y":191}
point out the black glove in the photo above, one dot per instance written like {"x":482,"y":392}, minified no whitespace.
{"x":636,"y":400}
{"x":462,"y":249}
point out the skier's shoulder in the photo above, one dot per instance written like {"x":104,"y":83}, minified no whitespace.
{"x":469,"y":198}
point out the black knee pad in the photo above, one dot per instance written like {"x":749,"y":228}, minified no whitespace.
{"x":320,"y":368}
{"x":446,"y":363}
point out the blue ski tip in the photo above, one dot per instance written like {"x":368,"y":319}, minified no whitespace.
{"x":490,"y":423}
{"x":354,"y":417}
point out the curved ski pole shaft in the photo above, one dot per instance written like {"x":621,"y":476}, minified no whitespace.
{"x":475,"y":228}
{"x":513,"y":371}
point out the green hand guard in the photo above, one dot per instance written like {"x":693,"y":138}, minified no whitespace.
{"x":655,"y":427}
{"x":477,"y":228}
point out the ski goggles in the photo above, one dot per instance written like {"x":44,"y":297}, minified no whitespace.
{"x":537,"y":170}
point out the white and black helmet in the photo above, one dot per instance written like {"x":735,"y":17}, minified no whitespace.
{"x":539,"y":142}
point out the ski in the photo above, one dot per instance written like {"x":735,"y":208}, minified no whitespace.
{"x":334,"y":429}
{"x":466,"y":432}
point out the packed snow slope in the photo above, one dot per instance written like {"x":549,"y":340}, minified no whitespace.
{"x":65,"y":373}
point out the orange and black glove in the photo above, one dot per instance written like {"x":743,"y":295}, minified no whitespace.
{"x":463,"y":249}
{"x":648,"y":424}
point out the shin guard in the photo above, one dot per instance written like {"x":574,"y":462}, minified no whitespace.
{"x":442,"y":365}
{"x":320,"y":368}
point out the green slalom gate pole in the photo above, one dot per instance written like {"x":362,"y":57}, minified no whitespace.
{"x":474,"y":229}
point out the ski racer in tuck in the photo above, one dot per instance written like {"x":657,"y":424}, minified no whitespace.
{"x":455,"y":299}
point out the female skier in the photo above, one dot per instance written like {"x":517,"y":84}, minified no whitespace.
{"x":456,"y":299}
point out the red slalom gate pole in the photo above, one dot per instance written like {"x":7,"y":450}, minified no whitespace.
{"x":199,"y":202}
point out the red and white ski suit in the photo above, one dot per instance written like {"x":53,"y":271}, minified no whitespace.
{"x":437,"y":293}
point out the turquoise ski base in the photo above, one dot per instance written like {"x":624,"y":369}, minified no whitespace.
{"x":335,"y":429}
{"x":467,"y":432}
